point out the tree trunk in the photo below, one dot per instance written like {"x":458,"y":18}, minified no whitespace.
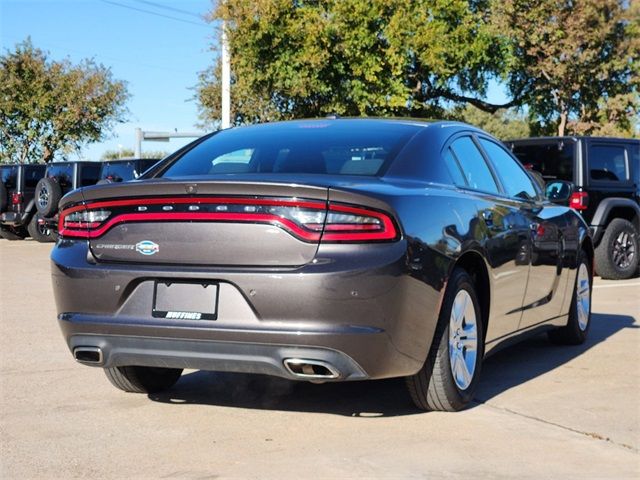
{"x":563,"y":124}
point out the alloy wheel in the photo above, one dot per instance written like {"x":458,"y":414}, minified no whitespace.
{"x":43,"y":197}
{"x":623,"y":250}
{"x":583,"y":297}
{"x":463,"y":340}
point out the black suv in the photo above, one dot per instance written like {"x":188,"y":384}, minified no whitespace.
{"x":125,"y":170}
{"x":18,"y":214}
{"x":606,"y":175}
{"x":59,"y":179}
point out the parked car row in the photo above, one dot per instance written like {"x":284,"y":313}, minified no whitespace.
{"x":29,"y":194}
{"x":605,"y":173}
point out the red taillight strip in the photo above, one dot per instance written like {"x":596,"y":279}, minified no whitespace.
{"x":338,"y":232}
{"x":197,"y":217}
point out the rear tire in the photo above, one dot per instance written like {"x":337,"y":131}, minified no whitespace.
{"x":39,"y":232}
{"x":136,"y":379}
{"x":435,"y":386}
{"x":616,"y":257}
{"x":48,"y":194}
{"x":577,"y":328}
{"x":10,"y":233}
{"x":4,"y":197}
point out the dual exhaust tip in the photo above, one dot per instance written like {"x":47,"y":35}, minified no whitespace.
{"x":88,"y":355}
{"x":312,"y":370}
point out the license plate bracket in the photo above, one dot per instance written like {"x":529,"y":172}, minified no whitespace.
{"x":185,"y":300}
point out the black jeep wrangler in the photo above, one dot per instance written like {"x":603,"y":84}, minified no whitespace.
{"x":59,"y":179}
{"x":606,"y":175}
{"x":125,"y":170}
{"x":18,"y":215}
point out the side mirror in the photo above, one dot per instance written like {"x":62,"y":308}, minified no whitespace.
{"x":558,"y":191}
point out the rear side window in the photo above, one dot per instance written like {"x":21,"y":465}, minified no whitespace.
{"x":9,"y":176}
{"x":474,"y":167}
{"x":118,"y":171}
{"x":515,"y":180}
{"x":315,"y":147}
{"x":608,"y":163}
{"x":89,"y":174}
{"x":552,"y":160}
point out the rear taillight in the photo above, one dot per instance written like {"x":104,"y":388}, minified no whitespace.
{"x":579,"y":200}
{"x":308,"y":220}
{"x":16,"y":198}
{"x":345,"y":223}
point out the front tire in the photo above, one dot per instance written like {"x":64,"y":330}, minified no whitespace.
{"x":616,"y":257}
{"x":449,"y":376}
{"x":577,"y":328}
{"x":136,"y":379}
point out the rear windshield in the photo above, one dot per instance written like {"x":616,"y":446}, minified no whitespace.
{"x":552,"y":160}
{"x":119,"y":171}
{"x":63,"y":172}
{"x":332,"y":147}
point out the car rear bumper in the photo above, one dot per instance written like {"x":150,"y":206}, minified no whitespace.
{"x":360,"y":314}
{"x":14,"y":219}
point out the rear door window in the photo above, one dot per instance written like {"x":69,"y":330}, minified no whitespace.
{"x":514,"y":179}
{"x":477,"y":174}
{"x":608,"y":163}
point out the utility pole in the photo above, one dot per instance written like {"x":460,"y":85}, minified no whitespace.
{"x":139,"y":137}
{"x":225,"y":121}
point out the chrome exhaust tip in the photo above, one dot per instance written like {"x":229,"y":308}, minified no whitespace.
{"x":88,"y":355}
{"x":311,"y":369}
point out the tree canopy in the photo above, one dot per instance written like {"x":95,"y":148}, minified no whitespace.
{"x":50,"y":108}
{"x":572,"y":66}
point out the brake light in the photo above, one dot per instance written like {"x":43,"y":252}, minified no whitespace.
{"x":16,"y":198}
{"x":308,"y":220}
{"x":579,"y":200}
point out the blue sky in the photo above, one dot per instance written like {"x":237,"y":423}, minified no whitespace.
{"x":159,"y":57}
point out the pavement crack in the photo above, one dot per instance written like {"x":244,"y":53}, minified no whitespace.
{"x":593,"y":435}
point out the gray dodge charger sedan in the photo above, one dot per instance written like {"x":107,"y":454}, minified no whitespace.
{"x":322,"y":250}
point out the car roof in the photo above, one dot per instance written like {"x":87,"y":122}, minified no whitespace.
{"x":359,"y":121}
{"x":570,"y":138}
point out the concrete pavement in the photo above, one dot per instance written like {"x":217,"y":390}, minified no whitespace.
{"x":541,"y":410}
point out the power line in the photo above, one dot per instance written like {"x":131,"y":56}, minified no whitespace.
{"x":154,"y":13}
{"x":172,"y":9}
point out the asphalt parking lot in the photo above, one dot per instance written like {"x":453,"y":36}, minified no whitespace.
{"x":541,"y":410}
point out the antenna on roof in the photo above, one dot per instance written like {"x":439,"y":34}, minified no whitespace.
{"x":333,"y":116}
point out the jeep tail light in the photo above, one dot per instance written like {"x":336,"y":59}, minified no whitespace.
{"x":16,"y":198}
{"x":308,"y":220}
{"x":579,"y":200}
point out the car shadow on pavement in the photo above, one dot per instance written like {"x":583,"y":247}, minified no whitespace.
{"x":383,"y":398}
{"x":525,"y":361}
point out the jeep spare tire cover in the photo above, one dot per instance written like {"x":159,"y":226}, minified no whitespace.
{"x":48,"y":194}
{"x":4,"y":197}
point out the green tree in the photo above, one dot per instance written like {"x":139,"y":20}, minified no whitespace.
{"x":578,"y":62}
{"x":293,"y":59}
{"x":51,"y":108}
{"x":504,"y":124}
